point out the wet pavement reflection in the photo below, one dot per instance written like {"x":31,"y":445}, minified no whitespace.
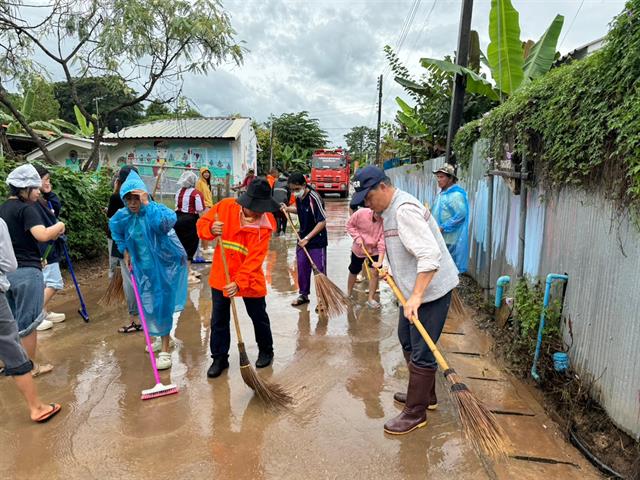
{"x":343,"y":373}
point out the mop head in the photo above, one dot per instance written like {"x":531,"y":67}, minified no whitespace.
{"x":159,"y":390}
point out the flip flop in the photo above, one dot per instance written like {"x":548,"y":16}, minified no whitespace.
{"x":40,"y":369}
{"x":300,"y":301}
{"x":55,"y":409}
{"x":134,"y":327}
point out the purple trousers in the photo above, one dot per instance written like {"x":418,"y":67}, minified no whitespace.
{"x":319,"y":256}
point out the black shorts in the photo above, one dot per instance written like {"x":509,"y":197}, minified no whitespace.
{"x":355,"y":266}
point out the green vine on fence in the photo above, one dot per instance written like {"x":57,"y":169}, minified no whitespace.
{"x":580,"y":124}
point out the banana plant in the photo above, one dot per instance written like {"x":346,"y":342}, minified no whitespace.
{"x":513,"y":64}
{"x":85,"y":128}
{"x":48,"y":129}
{"x":295,"y":159}
{"x":408,"y":117}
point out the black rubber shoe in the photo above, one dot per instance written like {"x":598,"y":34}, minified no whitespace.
{"x":218,"y":366}
{"x":264,"y":359}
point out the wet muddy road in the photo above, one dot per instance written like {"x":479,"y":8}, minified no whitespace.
{"x":343,"y":373}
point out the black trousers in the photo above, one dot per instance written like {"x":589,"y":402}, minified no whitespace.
{"x":220,"y":339}
{"x":281,"y":222}
{"x":432,"y":315}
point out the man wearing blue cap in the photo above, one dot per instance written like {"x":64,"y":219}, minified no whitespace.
{"x":425,"y":273}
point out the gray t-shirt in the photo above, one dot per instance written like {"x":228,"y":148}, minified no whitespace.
{"x":8,"y":262}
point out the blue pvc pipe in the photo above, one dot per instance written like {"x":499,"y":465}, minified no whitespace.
{"x":547,"y":293}
{"x":502,"y":281}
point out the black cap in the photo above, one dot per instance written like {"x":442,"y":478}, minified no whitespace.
{"x":258,"y":197}
{"x":364,"y":180}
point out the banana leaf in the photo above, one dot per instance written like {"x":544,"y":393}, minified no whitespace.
{"x":542,"y":54}
{"x":505,"y":52}
{"x":475,"y":83}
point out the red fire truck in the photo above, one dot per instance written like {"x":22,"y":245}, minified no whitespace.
{"x":331,"y":171}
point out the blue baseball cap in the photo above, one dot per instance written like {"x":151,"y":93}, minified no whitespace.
{"x":364,"y":180}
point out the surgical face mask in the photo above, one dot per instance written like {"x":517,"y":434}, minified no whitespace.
{"x":299,"y":193}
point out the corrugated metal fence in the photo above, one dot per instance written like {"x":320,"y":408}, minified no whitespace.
{"x":571,"y":232}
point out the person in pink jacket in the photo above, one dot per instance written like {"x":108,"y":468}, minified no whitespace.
{"x":365,"y":227}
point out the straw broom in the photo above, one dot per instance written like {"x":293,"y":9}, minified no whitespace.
{"x":115,"y":291}
{"x":271,"y":394}
{"x":478,"y":423}
{"x":331,"y":299}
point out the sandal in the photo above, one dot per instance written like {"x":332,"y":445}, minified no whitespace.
{"x":301,"y":300}
{"x":40,"y":369}
{"x":134,"y":327}
{"x":45,"y":417}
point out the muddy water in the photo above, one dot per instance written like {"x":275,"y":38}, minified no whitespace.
{"x":343,"y":373}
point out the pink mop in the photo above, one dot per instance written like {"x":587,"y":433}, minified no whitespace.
{"x":159,"y":390}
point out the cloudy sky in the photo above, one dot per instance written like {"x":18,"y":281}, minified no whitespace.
{"x":324,"y":56}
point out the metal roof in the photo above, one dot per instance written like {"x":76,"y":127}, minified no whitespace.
{"x":210,"y":127}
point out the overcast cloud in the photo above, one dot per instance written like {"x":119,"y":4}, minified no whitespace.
{"x":324,"y":56}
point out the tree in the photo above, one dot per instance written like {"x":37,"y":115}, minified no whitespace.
{"x":100,"y":95}
{"x":264,"y":148}
{"x":162,"y":111}
{"x":361,"y":142}
{"x":422,"y":128}
{"x":298,"y":130}
{"x":513,"y":64}
{"x":148,"y":45}
{"x":45,"y":104}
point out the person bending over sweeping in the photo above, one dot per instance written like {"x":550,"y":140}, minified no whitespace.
{"x":365,"y":227}
{"x":49,"y":206}
{"x":143,"y":232}
{"x":425,"y":273}
{"x":15,"y":359}
{"x":244,"y":226}
{"x":313,"y":220}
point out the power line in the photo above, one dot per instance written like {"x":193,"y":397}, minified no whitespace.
{"x":571,"y":25}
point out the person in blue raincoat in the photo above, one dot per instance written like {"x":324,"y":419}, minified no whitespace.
{"x":143,"y":232}
{"x":451,"y":212}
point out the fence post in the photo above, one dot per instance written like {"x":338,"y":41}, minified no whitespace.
{"x":218,"y":192}
{"x":227,"y":185}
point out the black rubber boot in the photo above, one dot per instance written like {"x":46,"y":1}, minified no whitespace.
{"x":218,"y":366}
{"x":264,"y":359}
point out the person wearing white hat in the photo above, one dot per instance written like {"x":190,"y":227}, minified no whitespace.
{"x":26,"y":293}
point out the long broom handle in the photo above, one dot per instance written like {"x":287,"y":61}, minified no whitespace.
{"x":315,"y":267}
{"x":155,"y":188}
{"x":432,"y":346}
{"x":227,"y":277}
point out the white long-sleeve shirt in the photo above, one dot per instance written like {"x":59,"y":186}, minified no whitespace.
{"x":8,"y":262}
{"x":417,"y":238}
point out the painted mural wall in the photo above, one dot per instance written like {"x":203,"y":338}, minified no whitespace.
{"x":574,"y":232}
{"x":148,"y":155}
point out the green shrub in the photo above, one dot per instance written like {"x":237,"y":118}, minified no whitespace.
{"x":580,"y":123}
{"x":84,"y":198}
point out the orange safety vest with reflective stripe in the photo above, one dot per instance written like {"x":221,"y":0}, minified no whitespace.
{"x":245,"y":246}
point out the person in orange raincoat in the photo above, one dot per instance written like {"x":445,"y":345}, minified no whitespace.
{"x":245,"y":225}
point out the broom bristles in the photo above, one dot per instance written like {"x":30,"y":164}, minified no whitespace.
{"x":478,"y":423}
{"x":115,"y":291}
{"x":331,"y":299}
{"x":272,"y":395}
{"x":458,"y":308}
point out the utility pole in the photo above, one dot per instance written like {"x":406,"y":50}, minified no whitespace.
{"x":378,"y":161}
{"x":271,"y":146}
{"x":462,"y":59}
